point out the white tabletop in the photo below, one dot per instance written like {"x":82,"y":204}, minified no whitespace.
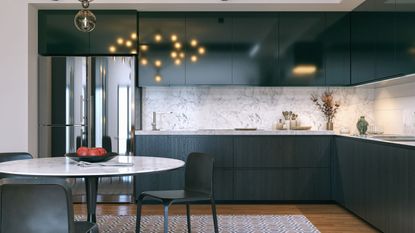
{"x":65,"y":167}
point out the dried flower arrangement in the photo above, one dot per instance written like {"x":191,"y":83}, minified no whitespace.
{"x":327,"y":106}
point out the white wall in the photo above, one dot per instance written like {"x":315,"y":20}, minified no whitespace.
{"x":18,"y":77}
{"x":394,"y":108}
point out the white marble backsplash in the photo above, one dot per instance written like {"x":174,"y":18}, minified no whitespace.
{"x":228,"y":107}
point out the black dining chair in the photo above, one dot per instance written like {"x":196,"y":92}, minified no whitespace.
{"x":198,"y":187}
{"x":34,"y":205}
{"x":10,"y":156}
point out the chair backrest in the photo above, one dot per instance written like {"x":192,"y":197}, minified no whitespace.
{"x":199,"y":173}
{"x":4,"y":157}
{"x":35,"y":205}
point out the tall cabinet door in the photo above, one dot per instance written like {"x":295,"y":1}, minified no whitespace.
{"x":208,"y":49}
{"x":337,"y":49}
{"x":162,"y":50}
{"x":301,"y":49}
{"x":255,"y":49}
{"x":405,"y":40}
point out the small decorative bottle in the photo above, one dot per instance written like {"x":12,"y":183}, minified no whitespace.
{"x":362,"y":125}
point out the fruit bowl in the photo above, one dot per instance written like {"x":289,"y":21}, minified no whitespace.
{"x":92,"y":158}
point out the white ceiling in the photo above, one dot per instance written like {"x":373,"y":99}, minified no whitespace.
{"x":206,"y":5}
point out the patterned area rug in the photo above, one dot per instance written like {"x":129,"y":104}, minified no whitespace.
{"x":204,"y":224}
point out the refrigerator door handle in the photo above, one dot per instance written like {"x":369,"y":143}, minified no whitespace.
{"x":64,"y":125}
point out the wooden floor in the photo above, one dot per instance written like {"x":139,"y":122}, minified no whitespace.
{"x":328,"y":218}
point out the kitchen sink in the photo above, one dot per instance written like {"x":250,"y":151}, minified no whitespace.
{"x":395,"y":138}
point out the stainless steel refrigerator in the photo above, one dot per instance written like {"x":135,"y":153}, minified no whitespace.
{"x":87,"y":101}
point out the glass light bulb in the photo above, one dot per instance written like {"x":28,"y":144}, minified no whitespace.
{"x":177,"y":45}
{"x":173,"y":38}
{"x":85,"y":21}
{"x":144,"y":48}
{"x":193,"y":43}
{"x":181,"y":55}
{"x":173,"y":54}
{"x":144,"y":61}
{"x":158,"y":78}
{"x":201,"y":50}
{"x":158,"y":37}
{"x":120,"y":41}
{"x":157,"y":63}
{"x":112,"y":49}
{"x":193,"y":58}
{"x":128,"y":43}
{"x":134,"y":36}
{"x":177,"y":62}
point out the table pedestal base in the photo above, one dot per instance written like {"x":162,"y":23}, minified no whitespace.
{"x":91,"y":185}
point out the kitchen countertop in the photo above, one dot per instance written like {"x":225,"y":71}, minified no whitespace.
{"x":267,"y":132}
{"x":233,"y":132}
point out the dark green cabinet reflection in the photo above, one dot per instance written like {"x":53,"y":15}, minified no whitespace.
{"x":162,"y":60}
{"x":337,"y":49}
{"x":208,"y":49}
{"x":255,"y":50}
{"x":301,"y":49}
{"x":115,"y":33}
{"x":58,"y":35}
{"x":405,"y":42}
{"x":363,"y":47}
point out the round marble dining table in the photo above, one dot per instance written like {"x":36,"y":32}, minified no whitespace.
{"x":67,"y":168}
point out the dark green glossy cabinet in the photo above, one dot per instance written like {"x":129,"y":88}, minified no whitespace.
{"x":405,"y":35}
{"x":371,"y":180}
{"x":158,"y":36}
{"x":301,"y":49}
{"x":337,"y":49}
{"x":58,"y":35}
{"x":248,"y":168}
{"x":363,"y":47}
{"x":276,"y":168}
{"x":213,"y":34}
{"x":374,"y":42}
{"x":179,"y":147}
{"x":255,"y":49}
{"x":110,"y":28}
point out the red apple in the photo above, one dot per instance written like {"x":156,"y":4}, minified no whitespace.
{"x":102,"y":151}
{"x":94,"y":152}
{"x":82,"y":151}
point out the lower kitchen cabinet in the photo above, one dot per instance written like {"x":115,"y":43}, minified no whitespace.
{"x":284,"y":184}
{"x":173,"y":180}
{"x":371,"y":179}
{"x":248,"y":168}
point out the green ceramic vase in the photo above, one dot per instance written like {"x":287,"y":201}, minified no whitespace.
{"x":362,"y":125}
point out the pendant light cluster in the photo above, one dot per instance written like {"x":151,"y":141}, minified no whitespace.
{"x":85,"y":20}
{"x":177,"y":54}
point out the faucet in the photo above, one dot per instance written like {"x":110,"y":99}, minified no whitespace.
{"x":154,"y":122}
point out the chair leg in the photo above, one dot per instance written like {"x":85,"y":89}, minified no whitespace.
{"x":138,"y":219}
{"x":189,"y":227}
{"x":166,"y":216}
{"x":215,"y":218}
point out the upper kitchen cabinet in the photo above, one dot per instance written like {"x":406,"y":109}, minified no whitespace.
{"x":374,"y":42}
{"x":337,"y":49}
{"x":301,"y":49}
{"x":58,"y":35}
{"x":208,"y":49}
{"x":405,"y":36}
{"x":115,"y":33}
{"x":255,"y":49}
{"x":162,"y":49}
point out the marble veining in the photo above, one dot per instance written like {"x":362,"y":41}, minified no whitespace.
{"x":229,"y":107}
{"x":65,"y":167}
